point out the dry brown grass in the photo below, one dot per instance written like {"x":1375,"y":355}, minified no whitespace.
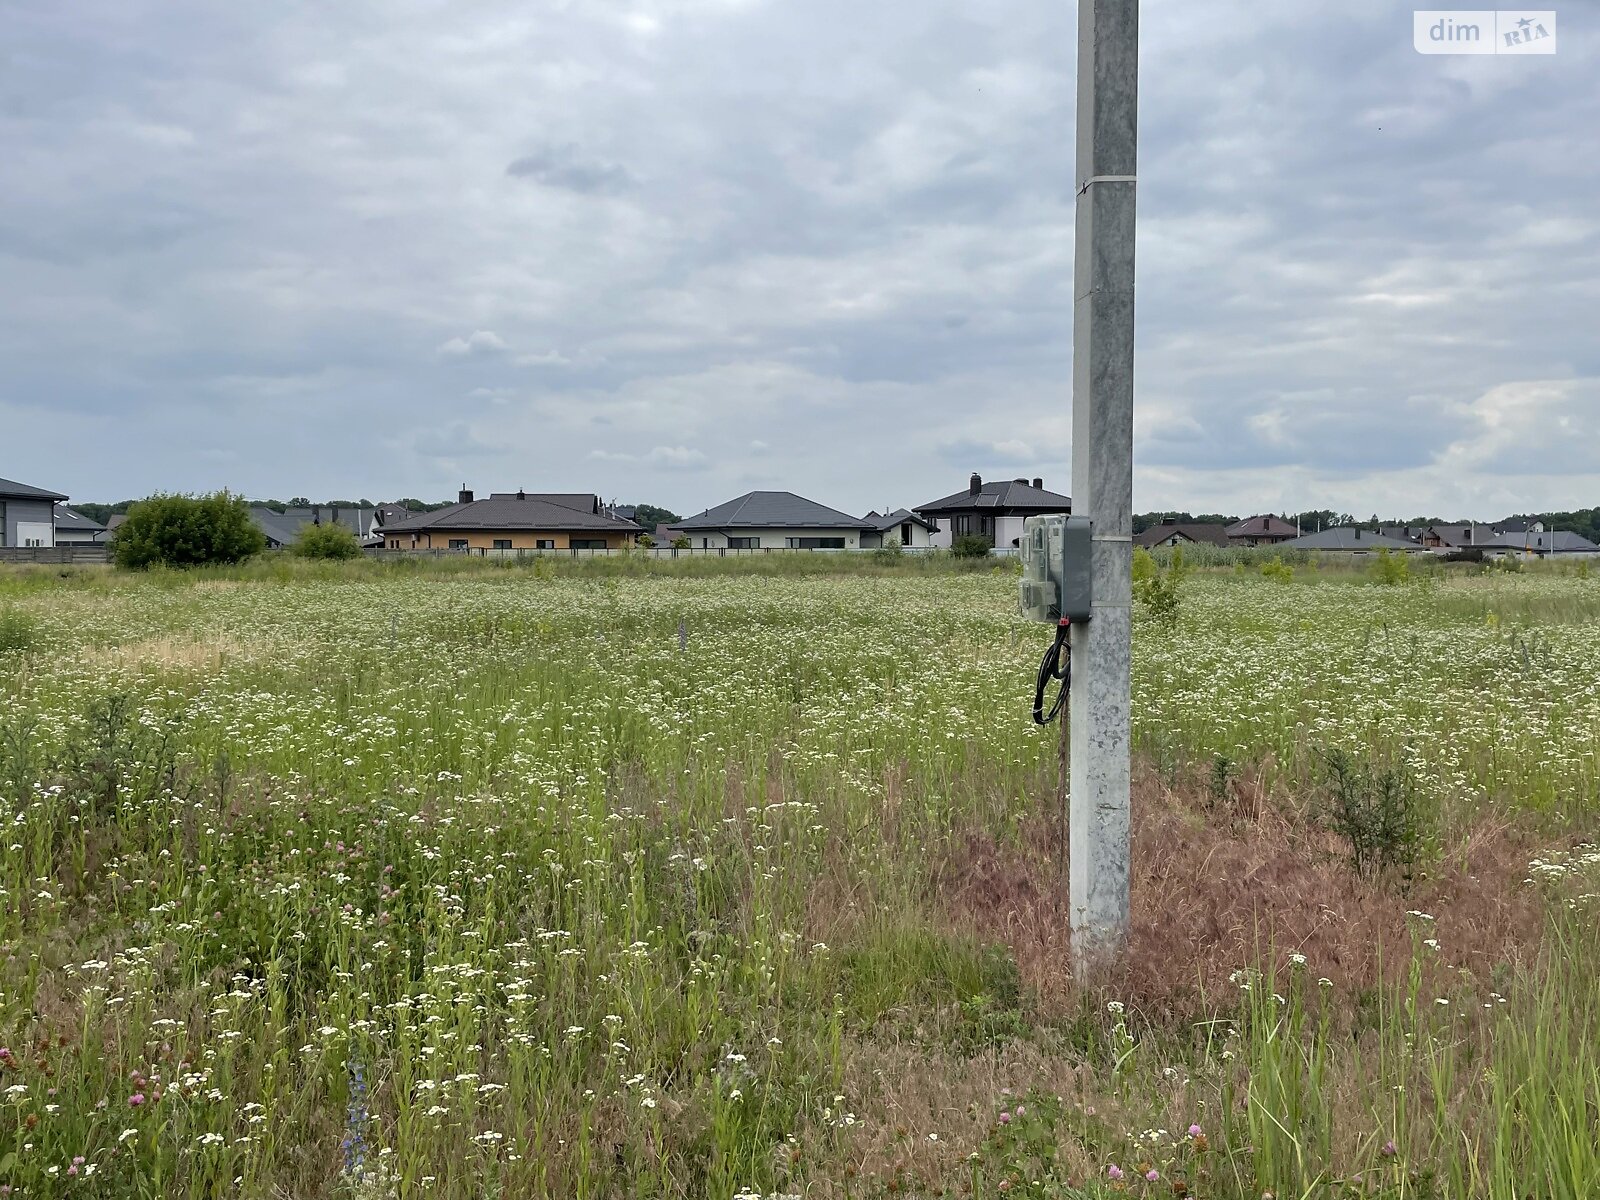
{"x":1218,"y":886}
{"x":175,"y":652}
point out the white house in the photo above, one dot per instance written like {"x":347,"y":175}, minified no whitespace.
{"x":993,"y":511}
{"x":902,"y":525}
{"x":775,"y":521}
{"x":75,"y":529}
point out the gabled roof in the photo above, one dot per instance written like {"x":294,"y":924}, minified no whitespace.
{"x":68,"y":518}
{"x":1262,"y":525}
{"x":1196,"y":531}
{"x":1347,"y":537}
{"x":1405,"y":533}
{"x":1465,"y":535}
{"x":772,"y":510}
{"x":1559,"y":541}
{"x":284,"y":527}
{"x":10,"y":489}
{"x":1006,"y":496}
{"x":886,"y":521}
{"x":506,"y":511}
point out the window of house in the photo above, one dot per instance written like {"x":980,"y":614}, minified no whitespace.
{"x":986,"y":526}
{"x":963,"y":524}
{"x":458,"y":543}
{"x":816,"y":543}
{"x":588,"y":543}
{"x":544,"y":544}
{"x":502,"y":543}
{"x":905,"y":534}
{"x":744,"y":543}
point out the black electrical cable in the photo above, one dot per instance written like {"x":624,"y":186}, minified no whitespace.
{"x":1056,"y":664}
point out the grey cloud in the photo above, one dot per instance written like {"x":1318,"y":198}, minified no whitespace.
{"x":841,"y":231}
{"x":565,"y":167}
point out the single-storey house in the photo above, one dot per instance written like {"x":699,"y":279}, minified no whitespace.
{"x":1351,"y":539}
{"x":1542,"y":543}
{"x":27,"y":514}
{"x":1182,"y":533}
{"x":75,"y":529}
{"x":282,"y":528}
{"x":1261,"y":530}
{"x":774,"y":521}
{"x":509,"y":521}
{"x":902,"y":525}
{"x":1459,"y":537}
{"x":992,"y":511}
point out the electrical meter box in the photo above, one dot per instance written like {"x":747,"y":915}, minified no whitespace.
{"x":1056,"y":569}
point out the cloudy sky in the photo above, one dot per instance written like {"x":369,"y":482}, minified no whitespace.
{"x":672,"y":250}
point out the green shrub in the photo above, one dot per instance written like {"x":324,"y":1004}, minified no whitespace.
{"x":971,"y":545}
{"x":1390,"y":569}
{"x":1278,"y":570}
{"x":186,"y":531}
{"x":1374,"y":807}
{"x":681,"y":542}
{"x":1144,"y":565}
{"x":325,"y":541}
{"x":890,"y":551}
{"x":1157,"y":587}
{"x":17,"y":631}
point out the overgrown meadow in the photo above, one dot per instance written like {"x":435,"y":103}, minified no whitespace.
{"x":520,"y":882}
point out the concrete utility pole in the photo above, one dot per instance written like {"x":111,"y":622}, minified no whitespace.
{"x":1102,"y":472}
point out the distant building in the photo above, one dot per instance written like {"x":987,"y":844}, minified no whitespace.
{"x":901,"y":526}
{"x":1179,"y":533}
{"x":511,"y":521}
{"x":282,"y":528}
{"x":1351,"y":539}
{"x":27,"y":514}
{"x":992,"y":511}
{"x":1542,"y":543}
{"x":774,"y":521}
{"x":75,"y":529}
{"x":1261,"y":530}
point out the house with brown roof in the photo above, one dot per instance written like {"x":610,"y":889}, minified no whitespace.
{"x":1261,"y":530}
{"x":507,"y":522}
{"x":1182,"y":533}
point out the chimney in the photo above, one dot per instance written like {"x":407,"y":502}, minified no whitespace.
{"x":1358,"y":533}
{"x":333,"y":514}
{"x":316,"y":514}
{"x":464,"y":496}
{"x":521,"y":495}
{"x":1038,"y":483}
{"x":1023,"y":482}
{"x":975,"y":484}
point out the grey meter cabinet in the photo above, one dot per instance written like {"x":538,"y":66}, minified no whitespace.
{"x":1056,"y":569}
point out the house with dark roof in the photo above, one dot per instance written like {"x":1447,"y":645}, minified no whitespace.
{"x":510,"y":522}
{"x":774,"y":521}
{"x":1182,"y":533}
{"x":1261,"y":530}
{"x":27,"y":514}
{"x":1459,"y":537}
{"x":282,"y":528}
{"x":992,"y":511}
{"x":75,"y":529}
{"x":1351,"y":539}
{"x":902,"y":526}
{"x":1541,"y":543}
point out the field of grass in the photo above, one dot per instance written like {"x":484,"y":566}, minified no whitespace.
{"x":706,"y":882}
